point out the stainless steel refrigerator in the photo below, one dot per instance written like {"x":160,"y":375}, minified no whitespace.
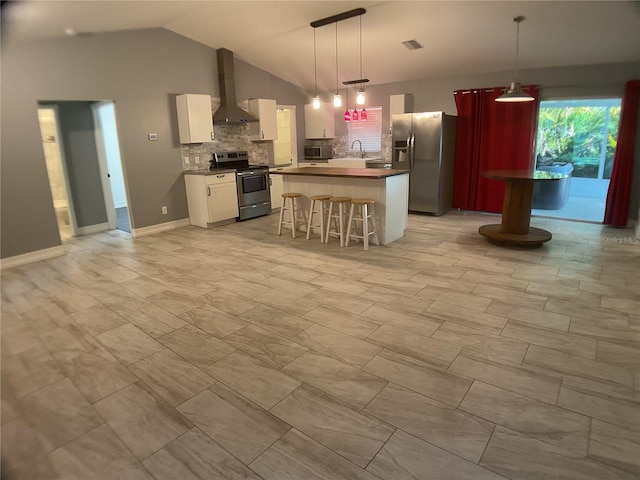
{"x":425,"y":143}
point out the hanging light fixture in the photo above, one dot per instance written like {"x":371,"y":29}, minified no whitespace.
{"x":337,"y":98}
{"x":515,"y":92}
{"x":316,"y":98}
{"x":360,"y":98}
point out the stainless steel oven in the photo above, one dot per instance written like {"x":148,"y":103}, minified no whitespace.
{"x":254,"y":195}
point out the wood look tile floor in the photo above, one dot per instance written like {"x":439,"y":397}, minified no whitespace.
{"x":234,"y":353}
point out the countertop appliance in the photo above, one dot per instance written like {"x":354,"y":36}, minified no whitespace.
{"x":317,"y":152}
{"x":425,"y":143}
{"x":254,"y":195}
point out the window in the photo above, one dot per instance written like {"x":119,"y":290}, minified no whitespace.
{"x":368,"y":131}
{"x":581,"y":132}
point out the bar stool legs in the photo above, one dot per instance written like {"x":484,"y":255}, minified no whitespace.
{"x":364,"y":217}
{"x":337,"y":218}
{"x":322,"y":199}
{"x":289,"y":203}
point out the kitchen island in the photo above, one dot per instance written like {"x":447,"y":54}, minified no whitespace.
{"x":388,"y":187}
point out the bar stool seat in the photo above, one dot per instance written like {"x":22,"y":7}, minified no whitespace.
{"x":363,"y":219}
{"x":337,"y":218}
{"x":322,"y":199}
{"x":289,"y":203}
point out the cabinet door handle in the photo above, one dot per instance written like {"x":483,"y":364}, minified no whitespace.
{"x":221,"y":176}
{"x":324,"y":133}
{"x":208,"y":191}
{"x":262,"y":133}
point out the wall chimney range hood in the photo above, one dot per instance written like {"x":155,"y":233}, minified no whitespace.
{"x":229,"y":112}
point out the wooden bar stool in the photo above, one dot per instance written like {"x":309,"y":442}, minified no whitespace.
{"x":337,"y":218}
{"x":363,"y":219}
{"x":289,"y":203}
{"x":322,"y":199}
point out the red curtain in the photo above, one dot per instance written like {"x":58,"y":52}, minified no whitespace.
{"x":616,"y":211}
{"x":490,"y":136}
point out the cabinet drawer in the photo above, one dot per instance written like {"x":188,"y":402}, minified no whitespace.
{"x":217,"y":178}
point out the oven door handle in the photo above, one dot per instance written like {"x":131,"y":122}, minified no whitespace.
{"x":251,"y":172}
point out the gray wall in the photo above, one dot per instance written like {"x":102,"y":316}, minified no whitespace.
{"x":141,"y":71}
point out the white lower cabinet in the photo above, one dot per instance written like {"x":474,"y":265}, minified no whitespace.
{"x":211,"y":198}
{"x":277,"y":189}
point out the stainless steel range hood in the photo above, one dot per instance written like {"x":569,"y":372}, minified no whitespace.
{"x":229,"y":112}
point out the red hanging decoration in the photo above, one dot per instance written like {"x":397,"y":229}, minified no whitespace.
{"x":363,"y":114}
{"x":347,"y":116}
{"x":354,"y":115}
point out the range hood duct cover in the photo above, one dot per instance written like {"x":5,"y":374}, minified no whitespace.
{"x":229,"y":112}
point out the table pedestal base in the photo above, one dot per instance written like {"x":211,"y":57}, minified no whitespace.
{"x":535,"y":237}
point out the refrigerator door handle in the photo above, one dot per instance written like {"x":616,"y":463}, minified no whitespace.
{"x":410,"y":144}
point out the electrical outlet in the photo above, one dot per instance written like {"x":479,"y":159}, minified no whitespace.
{"x":197,"y":158}
{"x":164,"y":210}
{"x":185,"y":160}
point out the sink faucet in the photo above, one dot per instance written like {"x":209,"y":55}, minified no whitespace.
{"x":361,"y":151}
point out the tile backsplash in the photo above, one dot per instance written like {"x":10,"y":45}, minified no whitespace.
{"x":226,"y":138}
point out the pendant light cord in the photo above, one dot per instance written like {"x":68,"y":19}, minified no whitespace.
{"x":360,"y":18}
{"x":315,"y":63}
{"x":517,"y":20}
{"x":337,"y":58}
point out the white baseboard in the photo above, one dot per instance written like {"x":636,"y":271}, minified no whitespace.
{"x":90,"y":229}
{"x":31,"y":257}
{"x":160,"y":227}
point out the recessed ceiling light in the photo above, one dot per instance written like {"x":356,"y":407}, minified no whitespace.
{"x":412,"y":45}
{"x":70,"y":31}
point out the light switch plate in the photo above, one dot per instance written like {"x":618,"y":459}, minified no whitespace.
{"x":153,"y":137}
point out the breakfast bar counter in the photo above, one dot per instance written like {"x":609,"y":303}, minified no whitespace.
{"x":388,"y":187}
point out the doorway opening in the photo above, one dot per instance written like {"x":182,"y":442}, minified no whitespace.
{"x":577,"y":138}
{"x":60,"y":191}
{"x":108,"y":148}
{"x":286,"y":145}
{"x":82,"y":152}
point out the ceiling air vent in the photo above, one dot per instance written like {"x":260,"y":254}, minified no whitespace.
{"x":412,"y":45}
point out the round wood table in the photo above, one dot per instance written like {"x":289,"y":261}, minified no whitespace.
{"x":516,"y":210}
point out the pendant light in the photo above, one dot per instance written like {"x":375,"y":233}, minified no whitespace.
{"x":347,"y":114}
{"x":316,"y":98}
{"x":360,"y":98}
{"x":515,"y":92}
{"x":337,"y":98}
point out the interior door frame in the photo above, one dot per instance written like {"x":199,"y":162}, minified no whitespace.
{"x":63,"y":167}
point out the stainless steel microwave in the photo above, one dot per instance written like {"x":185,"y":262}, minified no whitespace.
{"x":317,"y":152}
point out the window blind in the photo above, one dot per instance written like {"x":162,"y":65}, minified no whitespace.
{"x":368,"y":131}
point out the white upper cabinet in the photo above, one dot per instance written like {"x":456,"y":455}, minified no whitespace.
{"x":319,"y":123}
{"x":266,"y":128}
{"x":195,"y":118}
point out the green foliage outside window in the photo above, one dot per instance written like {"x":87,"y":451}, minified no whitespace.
{"x":580,"y":135}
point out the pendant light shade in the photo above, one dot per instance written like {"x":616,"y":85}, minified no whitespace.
{"x":316,"y":102}
{"x":355,"y":116}
{"x":347,"y":116}
{"x":360,"y":98}
{"x":515,"y":92}
{"x":363,"y":114}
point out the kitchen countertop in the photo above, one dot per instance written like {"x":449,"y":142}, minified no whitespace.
{"x":343,"y":172}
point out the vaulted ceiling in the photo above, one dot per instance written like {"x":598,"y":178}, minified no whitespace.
{"x":459,"y":37}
